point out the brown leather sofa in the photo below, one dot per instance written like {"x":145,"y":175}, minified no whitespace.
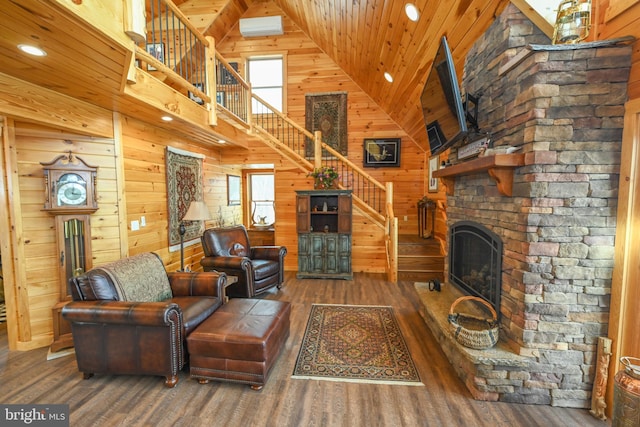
{"x":257,"y":268}
{"x":132,"y":317}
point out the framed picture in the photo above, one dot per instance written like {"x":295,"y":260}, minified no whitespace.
{"x":433,"y":166}
{"x":194,"y":97}
{"x":157,"y":51}
{"x":226,"y":78}
{"x":233,"y":190}
{"x":381,"y":152}
{"x":220,"y":97}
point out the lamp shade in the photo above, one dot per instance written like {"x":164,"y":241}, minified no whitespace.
{"x":197,"y":211}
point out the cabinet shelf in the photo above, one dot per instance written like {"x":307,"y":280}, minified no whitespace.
{"x":500,"y":168}
{"x":324,"y":236}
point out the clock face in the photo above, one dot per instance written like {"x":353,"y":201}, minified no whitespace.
{"x":72,"y":190}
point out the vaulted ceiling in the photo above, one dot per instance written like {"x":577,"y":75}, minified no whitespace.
{"x":367,"y":38}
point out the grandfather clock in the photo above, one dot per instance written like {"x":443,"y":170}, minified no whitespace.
{"x":70,"y":195}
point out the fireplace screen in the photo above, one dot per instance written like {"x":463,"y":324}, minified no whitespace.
{"x":475,"y":261}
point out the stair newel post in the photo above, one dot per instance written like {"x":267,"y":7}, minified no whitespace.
{"x":249,"y":106}
{"x":317,"y":149}
{"x":392,"y":230}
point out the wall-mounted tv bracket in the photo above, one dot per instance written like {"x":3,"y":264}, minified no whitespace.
{"x":471,"y":109}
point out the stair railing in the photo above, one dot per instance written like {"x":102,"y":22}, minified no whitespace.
{"x":292,"y":140}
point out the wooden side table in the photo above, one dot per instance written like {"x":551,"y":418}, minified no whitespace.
{"x":261,"y":236}
{"x":230,"y":281}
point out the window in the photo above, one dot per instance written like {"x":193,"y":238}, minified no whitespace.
{"x":266,"y":78}
{"x":261,"y":198}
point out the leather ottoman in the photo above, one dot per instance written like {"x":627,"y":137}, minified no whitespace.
{"x":240,"y":342}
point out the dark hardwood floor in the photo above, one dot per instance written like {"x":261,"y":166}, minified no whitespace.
{"x":28,"y":378}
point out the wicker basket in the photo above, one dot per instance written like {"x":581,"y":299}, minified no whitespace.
{"x":472,"y":331}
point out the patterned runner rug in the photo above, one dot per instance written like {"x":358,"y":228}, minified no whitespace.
{"x":355,"y":343}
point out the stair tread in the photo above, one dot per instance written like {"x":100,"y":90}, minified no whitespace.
{"x":419,"y":259}
{"x":420,"y":256}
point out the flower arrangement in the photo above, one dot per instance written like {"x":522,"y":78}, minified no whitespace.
{"x":324,"y":177}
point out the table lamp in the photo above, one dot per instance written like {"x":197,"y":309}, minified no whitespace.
{"x":197,"y":211}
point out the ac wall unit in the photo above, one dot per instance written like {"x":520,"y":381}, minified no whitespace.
{"x":263,"y":26}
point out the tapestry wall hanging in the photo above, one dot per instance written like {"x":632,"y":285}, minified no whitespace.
{"x":327,"y":112}
{"x":184,"y":185}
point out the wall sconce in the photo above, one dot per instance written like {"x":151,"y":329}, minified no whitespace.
{"x":572,"y":22}
{"x":197,"y":211}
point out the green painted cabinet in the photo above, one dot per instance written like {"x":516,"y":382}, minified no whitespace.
{"x":324,"y":234}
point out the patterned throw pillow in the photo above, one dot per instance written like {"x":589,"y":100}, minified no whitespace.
{"x":140,"y":278}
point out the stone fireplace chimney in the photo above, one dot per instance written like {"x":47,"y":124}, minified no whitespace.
{"x":563,"y":107}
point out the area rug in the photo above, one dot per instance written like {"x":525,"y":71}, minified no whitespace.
{"x":355,"y":343}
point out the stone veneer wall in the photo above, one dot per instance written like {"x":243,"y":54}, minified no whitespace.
{"x":565,"y":110}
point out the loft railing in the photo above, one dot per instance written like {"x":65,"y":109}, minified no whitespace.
{"x":232,"y":92}
{"x":174,"y":41}
{"x":175,"y":51}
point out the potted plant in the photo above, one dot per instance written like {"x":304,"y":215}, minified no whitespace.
{"x":324,"y":177}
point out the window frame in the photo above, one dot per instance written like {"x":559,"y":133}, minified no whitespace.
{"x":282,"y":57}
{"x":247,"y":173}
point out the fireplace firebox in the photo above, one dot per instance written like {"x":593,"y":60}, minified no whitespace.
{"x":475,"y":261}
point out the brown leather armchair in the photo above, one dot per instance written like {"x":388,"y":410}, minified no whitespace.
{"x":132,"y":317}
{"x":258,"y":268}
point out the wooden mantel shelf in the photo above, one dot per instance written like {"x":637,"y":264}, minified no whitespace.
{"x":500,"y":167}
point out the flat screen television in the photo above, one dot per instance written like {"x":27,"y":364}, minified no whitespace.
{"x":442,"y":106}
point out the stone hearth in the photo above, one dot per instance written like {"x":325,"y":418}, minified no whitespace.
{"x":506,"y":369}
{"x":563,"y":107}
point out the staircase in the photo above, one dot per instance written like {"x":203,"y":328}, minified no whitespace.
{"x":419,"y":259}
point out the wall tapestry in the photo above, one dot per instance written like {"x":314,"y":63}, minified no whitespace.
{"x":184,"y":185}
{"x":327,"y":112}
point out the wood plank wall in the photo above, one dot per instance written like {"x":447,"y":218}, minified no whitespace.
{"x":309,"y":70}
{"x":620,"y":18}
{"x":146,"y":191}
{"x":40,"y":260}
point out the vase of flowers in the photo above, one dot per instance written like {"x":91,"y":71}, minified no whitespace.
{"x":324,"y":177}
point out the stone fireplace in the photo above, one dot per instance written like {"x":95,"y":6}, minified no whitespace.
{"x":554,"y":211}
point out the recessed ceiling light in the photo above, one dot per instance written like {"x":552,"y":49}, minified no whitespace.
{"x":412,"y":11}
{"x":222,"y":141}
{"x":32,"y":50}
{"x":389,"y":77}
{"x":167,"y":118}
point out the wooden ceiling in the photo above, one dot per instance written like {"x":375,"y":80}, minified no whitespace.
{"x":365,"y":38}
